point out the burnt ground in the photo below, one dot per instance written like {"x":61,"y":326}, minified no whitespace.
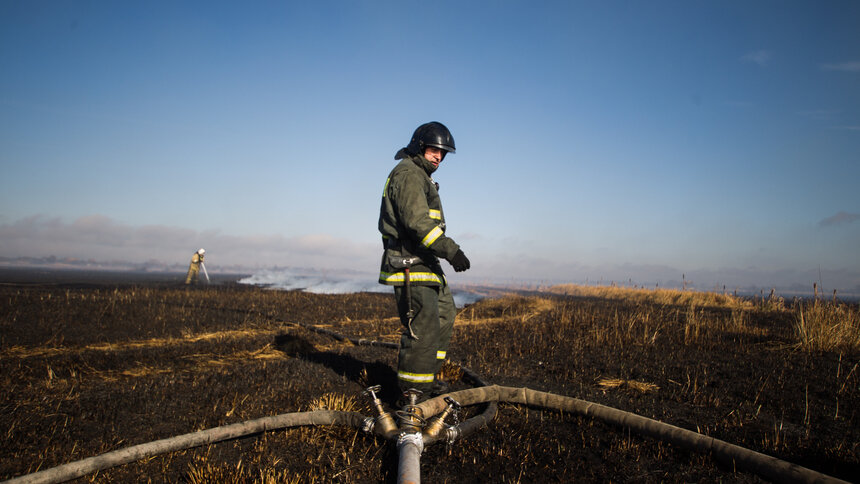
{"x":90,"y":365}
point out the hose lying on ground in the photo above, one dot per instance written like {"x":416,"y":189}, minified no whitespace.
{"x":80,"y":468}
{"x":340,"y":337}
{"x":477,"y":422}
{"x":761,"y":464}
{"x":764,"y":465}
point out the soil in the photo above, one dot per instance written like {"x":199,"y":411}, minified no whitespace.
{"x":92,"y":363}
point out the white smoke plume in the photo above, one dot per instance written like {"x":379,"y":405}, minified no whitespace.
{"x":325,"y":282}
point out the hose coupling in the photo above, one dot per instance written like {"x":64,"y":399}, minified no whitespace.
{"x":436,"y":424}
{"x":413,"y":438}
{"x":367,"y":424}
{"x":452,"y":434}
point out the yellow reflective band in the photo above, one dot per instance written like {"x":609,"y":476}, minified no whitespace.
{"x":440,"y":355}
{"x":416,"y":377}
{"x":431,"y":236}
{"x":435,"y":214}
{"x":385,"y":189}
{"x":389,"y":277}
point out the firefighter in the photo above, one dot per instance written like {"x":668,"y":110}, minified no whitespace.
{"x":194,"y":269}
{"x":412,"y":224}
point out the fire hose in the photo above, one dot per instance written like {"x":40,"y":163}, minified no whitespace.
{"x":73,"y":470}
{"x":421,"y":424}
{"x":756,"y":462}
{"x":203,"y":266}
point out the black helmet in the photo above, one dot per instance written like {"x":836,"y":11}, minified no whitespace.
{"x":430,"y":134}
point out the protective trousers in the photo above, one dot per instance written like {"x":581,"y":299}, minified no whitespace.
{"x":193,"y":273}
{"x":420,"y":358}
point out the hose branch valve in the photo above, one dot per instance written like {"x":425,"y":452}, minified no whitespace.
{"x":436,"y":424}
{"x":411,"y":417}
{"x":384,"y":422}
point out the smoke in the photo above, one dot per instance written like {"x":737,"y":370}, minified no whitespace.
{"x":97,"y":240}
{"x":314,"y":281}
{"x":325,"y":282}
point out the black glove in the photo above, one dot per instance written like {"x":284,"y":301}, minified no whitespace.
{"x":459,"y":262}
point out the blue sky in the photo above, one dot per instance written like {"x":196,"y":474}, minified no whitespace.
{"x":596,"y":140}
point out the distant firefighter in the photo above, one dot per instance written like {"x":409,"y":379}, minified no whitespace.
{"x":194,"y":269}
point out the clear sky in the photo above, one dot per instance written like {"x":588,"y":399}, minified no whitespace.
{"x":596,"y":140}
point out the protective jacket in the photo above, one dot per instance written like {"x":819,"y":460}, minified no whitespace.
{"x":194,"y":268}
{"x":412,"y":224}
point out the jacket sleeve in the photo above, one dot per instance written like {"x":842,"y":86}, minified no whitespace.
{"x":414,"y":213}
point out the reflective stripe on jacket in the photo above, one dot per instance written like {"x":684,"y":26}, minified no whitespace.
{"x":412,"y":224}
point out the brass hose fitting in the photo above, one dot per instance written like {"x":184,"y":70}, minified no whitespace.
{"x":411,"y":417}
{"x":412,"y":395}
{"x":436,"y":424}
{"x":384,"y":422}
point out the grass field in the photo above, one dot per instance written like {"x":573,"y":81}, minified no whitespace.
{"x":91,"y":367}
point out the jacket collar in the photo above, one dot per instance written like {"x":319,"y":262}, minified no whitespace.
{"x":423,"y":164}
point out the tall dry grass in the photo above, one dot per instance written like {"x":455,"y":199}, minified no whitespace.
{"x":827,"y":326}
{"x":819,"y":326}
{"x":653,"y":296}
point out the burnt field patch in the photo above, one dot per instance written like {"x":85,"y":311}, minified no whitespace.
{"x":95,"y":368}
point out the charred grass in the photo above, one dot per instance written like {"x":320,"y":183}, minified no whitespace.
{"x":86,"y":370}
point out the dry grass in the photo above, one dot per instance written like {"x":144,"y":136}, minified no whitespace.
{"x":334,"y":401}
{"x":450,"y":371}
{"x":504,"y":308}
{"x":819,"y":326}
{"x":827,"y":327}
{"x":219,"y":336}
{"x":187,"y":360}
{"x":202,"y":471}
{"x":639,"y":386}
{"x":653,"y":296}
